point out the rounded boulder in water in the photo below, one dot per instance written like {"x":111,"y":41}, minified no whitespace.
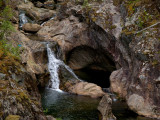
{"x":29,"y":27}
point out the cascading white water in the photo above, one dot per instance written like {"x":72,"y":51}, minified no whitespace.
{"x":22,"y":19}
{"x":53,"y":66}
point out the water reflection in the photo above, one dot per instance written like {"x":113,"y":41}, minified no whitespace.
{"x":122,"y":112}
{"x":73,"y":107}
{"x":69,"y":107}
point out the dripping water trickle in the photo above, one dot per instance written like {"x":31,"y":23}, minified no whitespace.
{"x":22,"y":19}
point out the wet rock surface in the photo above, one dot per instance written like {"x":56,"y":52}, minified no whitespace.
{"x":105,"y":108}
{"x":37,"y":14}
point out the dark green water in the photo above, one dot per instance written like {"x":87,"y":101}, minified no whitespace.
{"x":122,"y":112}
{"x":69,"y":107}
{"x":73,"y":107}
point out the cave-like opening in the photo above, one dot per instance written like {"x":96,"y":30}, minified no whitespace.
{"x":99,"y":77}
{"x":91,"y":65}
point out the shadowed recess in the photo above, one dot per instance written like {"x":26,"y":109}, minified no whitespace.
{"x":91,"y":65}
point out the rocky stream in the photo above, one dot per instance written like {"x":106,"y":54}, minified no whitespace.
{"x":82,"y":60}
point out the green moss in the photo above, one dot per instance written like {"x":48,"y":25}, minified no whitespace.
{"x":18,"y":99}
{"x":23,"y":97}
{"x":8,"y":62}
{"x":13,"y":117}
{"x":112,"y":26}
{"x":155,"y":62}
{"x":147,"y":16}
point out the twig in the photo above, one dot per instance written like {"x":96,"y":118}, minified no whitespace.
{"x":147,"y":28}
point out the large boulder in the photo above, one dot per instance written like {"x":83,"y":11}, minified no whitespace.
{"x":142,"y":106}
{"x":105,"y":108}
{"x":118,"y":81}
{"x":87,"y":89}
{"x":29,"y":27}
{"x":70,"y":83}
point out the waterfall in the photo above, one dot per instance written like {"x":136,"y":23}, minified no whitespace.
{"x":70,"y":70}
{"x":22,"y":19}
{"x":53,"y":67}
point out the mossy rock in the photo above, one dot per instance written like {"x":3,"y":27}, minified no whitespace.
{"x":12,"y":117}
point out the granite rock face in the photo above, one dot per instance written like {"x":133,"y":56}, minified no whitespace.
{"x":19,"y":96}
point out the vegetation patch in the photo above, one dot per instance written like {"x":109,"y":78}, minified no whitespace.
{"x":141,"y":14}
{"x":9,"y":55}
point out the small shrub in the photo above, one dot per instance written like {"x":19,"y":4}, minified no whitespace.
{"x":45,"y":111}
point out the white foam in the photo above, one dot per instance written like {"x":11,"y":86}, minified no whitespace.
{"x":53,"y":67}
